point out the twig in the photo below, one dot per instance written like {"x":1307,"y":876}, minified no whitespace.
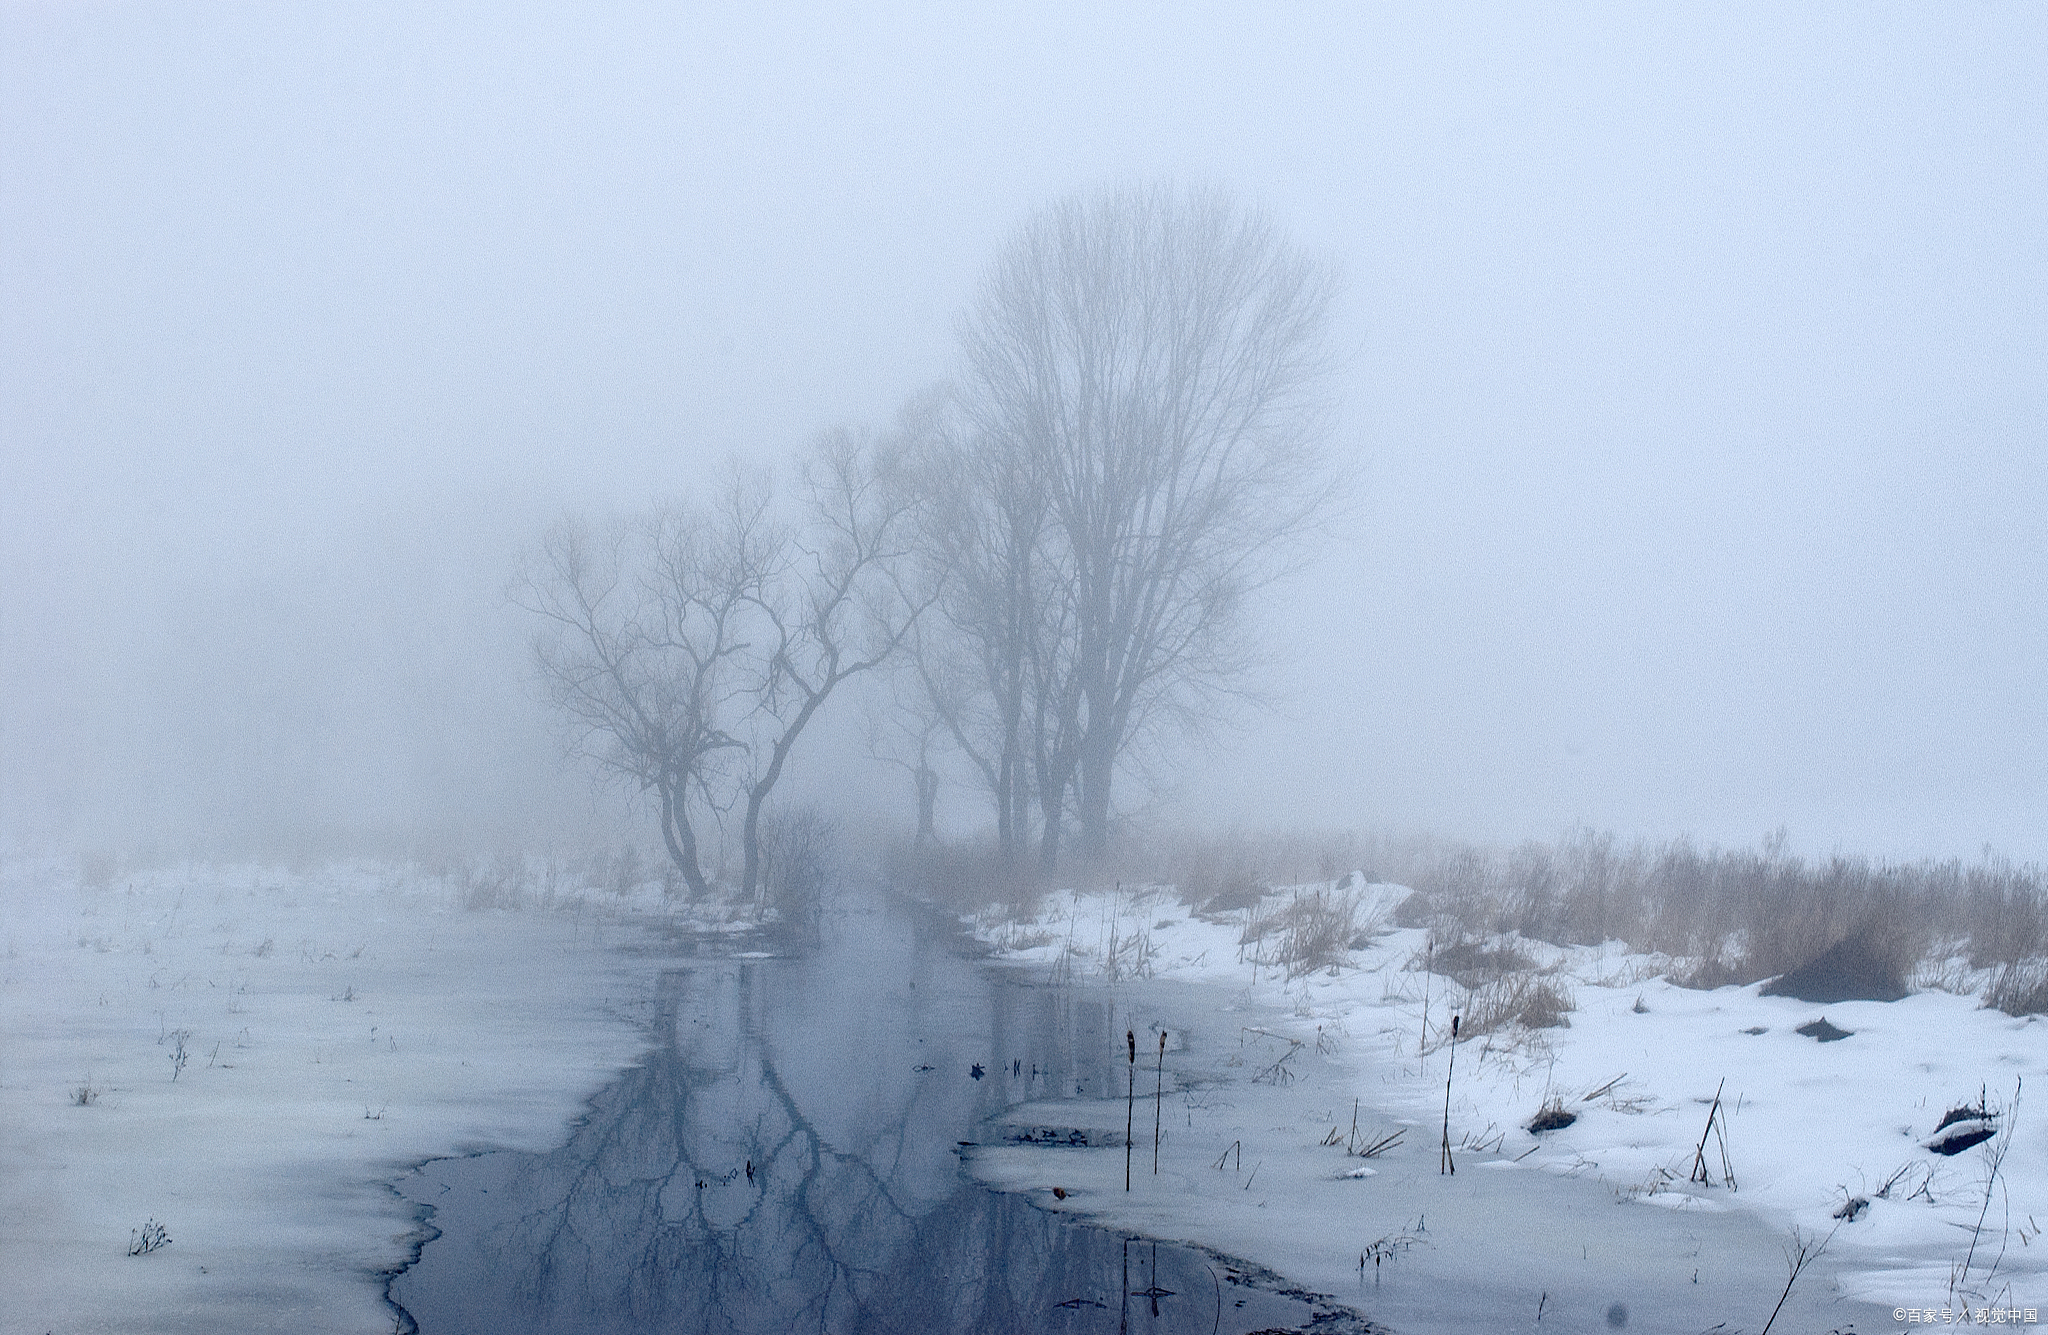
{"x":1428,"y":967}
{"x":1699,"y":1172}
{"x":1995,"y":1158}
{"x":1798,"y":1256}
{"x":1607,"y":1088}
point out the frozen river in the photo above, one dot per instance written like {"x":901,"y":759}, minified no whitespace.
{"x":787,"y":1159}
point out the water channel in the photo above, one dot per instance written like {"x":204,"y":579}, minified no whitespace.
{"x":786,"y":1160}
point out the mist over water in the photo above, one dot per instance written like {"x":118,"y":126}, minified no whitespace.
{"x":1692,"y":388}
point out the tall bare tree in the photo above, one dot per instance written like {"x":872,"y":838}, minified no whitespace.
{"x":690,"y":649}
{"x":1143,"y":389}
{"x":975,"y":661}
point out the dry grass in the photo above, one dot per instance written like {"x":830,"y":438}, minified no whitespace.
{"x":1720,"y":916}
{"x":1474,"y":964}
{"x":2020,"y":988}
{"x":1314,"y":929}
{"x":970,"y":874}
{"x":1737,"y":916}
{"x":1521,"y":1000}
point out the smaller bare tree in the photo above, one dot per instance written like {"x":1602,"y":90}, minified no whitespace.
{"x":689,"y":649}
{"x":911,"y":738}
{"x":836,"y":607}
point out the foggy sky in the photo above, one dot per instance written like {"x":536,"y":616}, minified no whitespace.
{"x":1693,"y":383}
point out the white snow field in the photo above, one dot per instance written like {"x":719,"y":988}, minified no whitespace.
{"x":336,"y":1026}
{"x":1262,"y":1071}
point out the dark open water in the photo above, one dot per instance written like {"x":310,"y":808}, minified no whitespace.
{"x":785,"y":1160}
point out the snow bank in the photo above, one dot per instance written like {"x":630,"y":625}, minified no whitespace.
{"x":1268,"y":1070}
{"x":335,"y":1026}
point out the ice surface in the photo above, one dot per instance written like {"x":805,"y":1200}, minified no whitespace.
{"x":338,"y":1026}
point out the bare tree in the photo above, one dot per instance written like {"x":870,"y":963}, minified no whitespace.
{"x":645,"y":625}
{"x":690,"y":649}
{"x":975,"y":663}
{"x":1142,"y":393}
{"x":837,"y":608}
{"x":903,"y":732}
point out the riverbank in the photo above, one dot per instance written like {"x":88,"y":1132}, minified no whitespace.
{"x":1259,"y":1152}
{"x":234,"y":1063}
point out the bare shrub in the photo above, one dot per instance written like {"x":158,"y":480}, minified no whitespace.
{"x":624,"y":874}
{"x":1464,"y":887}
{"x":1710,"y":973}
{"x":1314,"y":931}
{"x":1944,"y":970}
{"x":552,"y":870}
{"x":970,"y":874}
{"x":150,"y":1237}
{"x":1240,"y":893}
{"x":498,"y":882}
{"x":1476,"y":964}
{"x":179,"y":1055}
{"x":2020,"y":988}
{"x":97,"y":868}
{"x":1214,"y":874}
{"x":796,"y":856}
{"x":1580,"y":891}
{"x":1203,"y":866}
{"x":1523,"y":1000}
{"x":1129,"y":952}
{"x":2004,"y":912}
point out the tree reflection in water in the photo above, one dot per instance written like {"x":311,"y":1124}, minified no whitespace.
{"x":784,"y":1161}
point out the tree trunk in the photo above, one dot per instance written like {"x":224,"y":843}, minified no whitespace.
{"x":1049,"y":837}
{"x":681,"y":840}
{"x":927,"y":805}
{"x":1098,"y":764}
{"x":1006,"y":829}
{"x":1055,"y":775}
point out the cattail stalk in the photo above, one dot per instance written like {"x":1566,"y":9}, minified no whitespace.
{"x":1428,"y":967}
{"x":1130,"y":1103}
{"x":1158,"y":1102}
{"x":1448,"y":1164}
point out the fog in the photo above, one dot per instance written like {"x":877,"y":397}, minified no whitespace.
{"x":1692,"y":388}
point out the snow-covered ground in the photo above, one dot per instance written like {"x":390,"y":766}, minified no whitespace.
{"x":1263,"y":1069}
{"x":246,"y":1057}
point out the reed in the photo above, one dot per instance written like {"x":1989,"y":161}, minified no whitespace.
{"x":1447,"y":1164}
{"x":1130,"y":1103}
{"x":1158,"y":1101}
